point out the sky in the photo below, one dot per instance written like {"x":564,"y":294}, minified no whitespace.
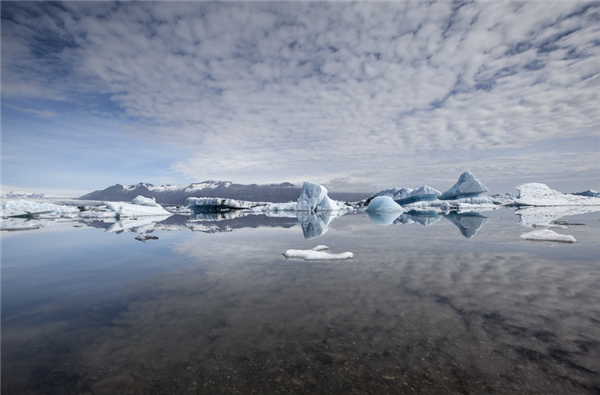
{"x":355,"y":96}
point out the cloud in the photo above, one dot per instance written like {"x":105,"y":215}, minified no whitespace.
{"x":265,"y":91}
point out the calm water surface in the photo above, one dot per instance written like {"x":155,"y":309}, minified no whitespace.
{"x":214,"y":308}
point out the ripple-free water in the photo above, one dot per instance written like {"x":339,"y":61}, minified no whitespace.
{"x":420,"y":309}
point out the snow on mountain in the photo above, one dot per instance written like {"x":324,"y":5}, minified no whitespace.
{"x":177,"y":194}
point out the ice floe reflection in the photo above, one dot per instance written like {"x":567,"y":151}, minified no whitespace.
{"x":313,"y":224}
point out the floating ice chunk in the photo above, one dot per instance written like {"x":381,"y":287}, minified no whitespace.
{"x":384,"y":204}
{"x":316,"y":254}
{"x":313,"y":197}
{"x":135,"y":210}
{"x":547,"y":235}
{"x":24,"y":207}
{"x":536,"y":194}
{"x":275,"y":207}
{"x":588,"y":193}
{"x":467,"y":186}
{"x":424,"y":193}
{"x":143,"y":237}
{"x":144,"y":201}
{"x":220,"y":204}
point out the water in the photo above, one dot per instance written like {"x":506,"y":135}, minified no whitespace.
{"x":219,"y":310}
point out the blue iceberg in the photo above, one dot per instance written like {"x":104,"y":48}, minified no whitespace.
{"x":384,"y":204}
{"x":466,"y":187}
{"x":423,"y":194}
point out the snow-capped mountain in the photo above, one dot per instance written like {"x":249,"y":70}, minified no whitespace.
{"x":176,"y":194}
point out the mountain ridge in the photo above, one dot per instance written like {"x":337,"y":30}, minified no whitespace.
{"x":177,"y":194}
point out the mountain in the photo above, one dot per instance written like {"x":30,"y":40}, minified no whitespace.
{"x":176,"y":194}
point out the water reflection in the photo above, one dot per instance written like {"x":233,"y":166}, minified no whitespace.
{"x":467,"y":223}
{"x":313,"y":224}
{"x":433,"y":314}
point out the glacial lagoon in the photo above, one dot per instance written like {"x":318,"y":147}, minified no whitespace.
{"x":439,"y":304}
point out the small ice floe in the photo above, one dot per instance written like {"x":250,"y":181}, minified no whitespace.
{"x":143,"y":237}
{"x":547,"y":235}
{"x":316,"y":254}
{"x":550,"y":226}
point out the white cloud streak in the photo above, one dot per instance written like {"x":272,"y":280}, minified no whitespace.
{"x":292,"y":91}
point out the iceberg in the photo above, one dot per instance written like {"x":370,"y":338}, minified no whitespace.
{"x":536,"y":194}
{"x":316,"y":254}
{"x":216,"y":204}
{"x":26,"y":208}
{"x":466,"y":186}
{"x":383,"y":210}
{"x":547,"y":235}
{"x":422,"y":194}
{"x":136,"y":209}
{"x":404,"y":196}
{"x":588,"y":193}
{"x":313,"y":197}
{"x":467,"y":223}
{"x":384,"y":204}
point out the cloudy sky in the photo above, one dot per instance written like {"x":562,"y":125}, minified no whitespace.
{"x":354,"y":96}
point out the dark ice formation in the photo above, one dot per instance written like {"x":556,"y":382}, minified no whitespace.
{"x":588,"y":193}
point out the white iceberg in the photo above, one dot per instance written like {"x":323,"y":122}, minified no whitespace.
{"x":313,"y":197}
{"x":536,"y":194}
{"x":144,"y":201}
{"x":317,"y":254}
{"x":547,"y":235}
{"x":466,"y":186}
{"x":25,"y":207}
{"x":136,"y":209}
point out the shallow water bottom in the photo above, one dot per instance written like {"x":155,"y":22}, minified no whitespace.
{"x":417,"y":310}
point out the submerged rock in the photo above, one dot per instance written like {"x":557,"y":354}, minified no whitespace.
{"x":113,"y":386}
